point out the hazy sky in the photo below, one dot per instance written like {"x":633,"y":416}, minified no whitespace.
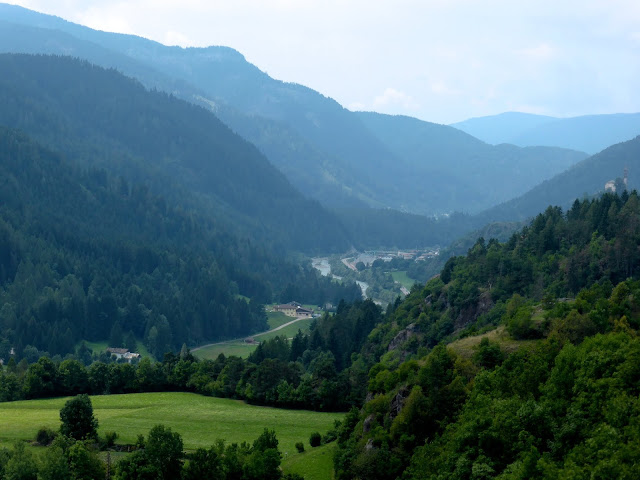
{"x":439,"y":60}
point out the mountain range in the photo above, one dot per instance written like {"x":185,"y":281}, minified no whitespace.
{"x":329,"y":153}
{"x":588,"y":133}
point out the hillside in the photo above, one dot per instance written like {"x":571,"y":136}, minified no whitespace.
{"x":325,"y":150}
{"x":533,"y":396}
{"x":100,"y":118}
{"x":462,"y":172}
{"x":586,"y":178}
{"x":501,"y":128}
{"x":588,"y":133}
{"x":89,"y":254}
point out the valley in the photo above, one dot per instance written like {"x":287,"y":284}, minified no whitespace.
{"x":311,"y":289}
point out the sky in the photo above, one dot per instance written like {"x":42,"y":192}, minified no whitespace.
{"x":439,"y":60}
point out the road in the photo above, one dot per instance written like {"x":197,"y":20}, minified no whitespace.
{"x":297,"y":319}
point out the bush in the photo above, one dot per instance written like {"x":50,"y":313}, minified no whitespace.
{"x":315,"y":439}
{"x":300,"y":447}
{"x":45,"y":436}
{"x":329,"y":437}
{"x":110,"y":439}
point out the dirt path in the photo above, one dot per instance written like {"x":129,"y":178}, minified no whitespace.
{"x":297,"y":319}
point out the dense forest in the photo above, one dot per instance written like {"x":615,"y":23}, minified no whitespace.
{"x":316,"y":370}
{"x":100,"y":118}
{"x":552,"y":396}
{"x":84,"y":253}
{"x":517,"y":361}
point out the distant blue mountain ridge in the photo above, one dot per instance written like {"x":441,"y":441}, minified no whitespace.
{"x":588,"y":133}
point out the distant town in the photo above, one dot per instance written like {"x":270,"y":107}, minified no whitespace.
{"x":370,"y":256}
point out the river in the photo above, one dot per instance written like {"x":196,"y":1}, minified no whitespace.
{"x":322,"y":265}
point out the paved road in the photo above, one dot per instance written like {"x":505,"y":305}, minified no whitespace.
{"x":297,"y":319}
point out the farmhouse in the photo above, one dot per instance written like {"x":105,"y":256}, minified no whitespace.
{"x":293,"y":309}
{"x":122,"y":353}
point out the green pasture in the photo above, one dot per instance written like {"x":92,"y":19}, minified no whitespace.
{"x":200,"y":420}
{"x":288,"y":331}
{"x":233,"y":347}
{"x":240,"y":348}
{"x":313,"y":463}
{"x":403,"y":279}
{"x":275,"y":319}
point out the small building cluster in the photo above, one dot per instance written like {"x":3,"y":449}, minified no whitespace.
{"x":293,"y":309}
{"x":123,"y":353}
{"x":618,"y":184}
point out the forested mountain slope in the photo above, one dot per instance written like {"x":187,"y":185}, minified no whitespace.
{"x":84,"y":252}
{"x":583,"y":179}
{"x":324,"y":149}
{"x":501,"y":128}
{"x":101,"y":118}
{"x":550,"y":388}
{"x":462,"y":172}
{"x":589,"y":133}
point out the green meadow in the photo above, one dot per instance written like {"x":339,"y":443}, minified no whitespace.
{"x":313,"y":463}
{"x":200,"y":420}
{"x":403,"y":279}
{"x":240,"y":348}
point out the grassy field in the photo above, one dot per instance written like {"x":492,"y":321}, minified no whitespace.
{"x":275,"y":319}
{"x":232,"y":347}
{"x":200,"y":420}
{"x":288,"y":331}
{"x":467,"y":346}
{"x":313,"y":463}
{"x":239,"y":348}
{"x":402,"y":278}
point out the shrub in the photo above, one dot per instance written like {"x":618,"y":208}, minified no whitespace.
{"x":45,"y":436}
{"x":300,"y":447}
{"x":110,"y":439}
{"x":315,"y":439}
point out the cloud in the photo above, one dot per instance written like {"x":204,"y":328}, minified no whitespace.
{"x":394,"y":98}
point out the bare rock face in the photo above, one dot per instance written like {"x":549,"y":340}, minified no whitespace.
{"x":369,"y":446}
{"x":366,"y":426}
{"x":403,"y":336}
{"x":470,"y":314}
{"x":398,"y":402}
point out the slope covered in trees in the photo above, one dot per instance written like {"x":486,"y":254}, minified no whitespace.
{"x":584,"y":179}
{"x":84,"y":253}
{"x":101,"y":118}
{"x":460,"y":172}
{"x":558,"y":400}
{"x":324,"y":149}
{"x":501,"y":128}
